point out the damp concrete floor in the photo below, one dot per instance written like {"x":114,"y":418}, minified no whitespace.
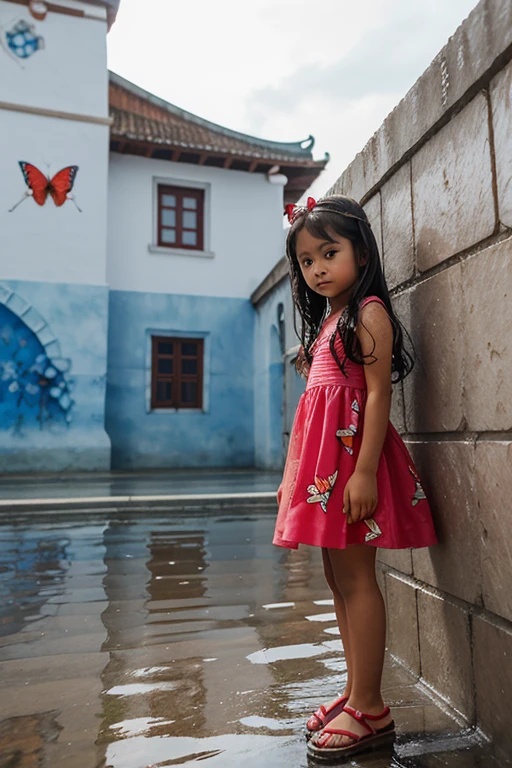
{"x":142,"y":483}
{"x":132,"y":641}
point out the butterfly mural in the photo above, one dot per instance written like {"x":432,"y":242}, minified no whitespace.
{"x":346,"y":436}
{"x":419,"y":492}
{"x":40,"y":186}
{"x":321,"y":490}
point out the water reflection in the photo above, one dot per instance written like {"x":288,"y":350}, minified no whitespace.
{"x":32,"y":569}
{"x":170,"y":640}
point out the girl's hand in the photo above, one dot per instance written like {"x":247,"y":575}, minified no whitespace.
{"x":360,"y":496}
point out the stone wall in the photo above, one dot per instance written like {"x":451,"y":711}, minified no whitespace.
{"x":436,"y":181}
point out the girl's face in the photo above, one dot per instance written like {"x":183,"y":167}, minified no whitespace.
{"x":329,"y":269}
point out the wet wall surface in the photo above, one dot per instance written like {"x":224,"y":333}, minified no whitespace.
{"x":172,"y":640}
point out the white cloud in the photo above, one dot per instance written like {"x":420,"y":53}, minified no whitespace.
{"x":284,"y":69}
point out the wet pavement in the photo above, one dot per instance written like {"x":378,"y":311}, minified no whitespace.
{"x":143,"y":483}
{"x":165,"y":640}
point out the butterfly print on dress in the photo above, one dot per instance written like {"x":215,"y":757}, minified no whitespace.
{"x":40,"y":186}
{"x":321,"y":490}
{"x":419,"y":493}
{"x":346,"y":436}
{"x":374,"y":531}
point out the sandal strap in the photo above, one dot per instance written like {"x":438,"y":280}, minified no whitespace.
{"x":343,"y":732}
{"x":323,"y":711}
{"x":354,"y":711}
{"x":335,"y":704}
{"x":362,"y":717}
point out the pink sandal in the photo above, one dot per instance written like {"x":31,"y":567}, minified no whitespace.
{"x":324,"y":715}
{"x":373,"y":739}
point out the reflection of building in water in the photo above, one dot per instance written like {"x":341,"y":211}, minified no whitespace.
{"x":32,"y":569}
{"x":23,"y":739}
{"x":303,"y":574}
{"x":51,"y":597}
{"x":179,"y":624}
{"x":298,"y":581}
{"x":241,"y":576}
{"x":155,"y":583}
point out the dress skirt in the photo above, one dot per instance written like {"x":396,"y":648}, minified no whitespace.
{"x":323,"y":449}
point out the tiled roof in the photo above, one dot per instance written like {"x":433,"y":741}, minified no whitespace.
{"x":140,"y":116}
{"x":187,"y":136}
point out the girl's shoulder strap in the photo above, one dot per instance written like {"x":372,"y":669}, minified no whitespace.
{"x":368,"y":299}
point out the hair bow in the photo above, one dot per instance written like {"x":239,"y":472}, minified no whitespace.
{"x":292,"y":211}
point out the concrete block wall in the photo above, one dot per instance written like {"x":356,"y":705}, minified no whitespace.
{"x":436,"y":180}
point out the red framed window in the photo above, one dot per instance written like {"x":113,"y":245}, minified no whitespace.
{"x":180,"y":217}
{"x":177,"y":372}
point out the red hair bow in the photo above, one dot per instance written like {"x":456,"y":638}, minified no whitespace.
{"x":292,"y":211}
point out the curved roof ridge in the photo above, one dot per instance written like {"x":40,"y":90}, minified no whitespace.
{"x":301,"y":148}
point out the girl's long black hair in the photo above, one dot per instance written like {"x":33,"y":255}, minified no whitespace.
{"x":321,"y":221}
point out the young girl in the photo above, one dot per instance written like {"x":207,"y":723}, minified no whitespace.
{"x":349,"y":484}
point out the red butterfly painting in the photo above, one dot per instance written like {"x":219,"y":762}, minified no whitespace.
{"x":40,"y":186}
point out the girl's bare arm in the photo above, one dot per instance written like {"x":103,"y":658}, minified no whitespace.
{"x":360,"y":498}
{"x":378,"y":382}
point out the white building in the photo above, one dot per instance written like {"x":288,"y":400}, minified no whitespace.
{"x":125,"y":316}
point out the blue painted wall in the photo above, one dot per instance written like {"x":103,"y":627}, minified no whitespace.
{"x":53,"y":342}
{"x":222,"y":434}
{"x":269,"y":381}
{"x":277,"y":384}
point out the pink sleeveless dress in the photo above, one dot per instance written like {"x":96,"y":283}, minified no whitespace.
{"x":322,"y":454}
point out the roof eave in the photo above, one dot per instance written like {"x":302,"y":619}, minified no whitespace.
{"x":282,"y":160}
{"x":301,"y":174}
{"x":302,"y":148}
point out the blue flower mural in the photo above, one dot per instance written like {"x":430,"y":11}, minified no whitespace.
{"x":23,"y":40}
{"x":33,"y":386}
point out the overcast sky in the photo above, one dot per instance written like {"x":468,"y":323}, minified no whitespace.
{"x":284,"y":69}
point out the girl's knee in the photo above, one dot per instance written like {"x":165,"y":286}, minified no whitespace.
{"x":346,"y":586}
{"x":349,"y":585}
{"x":353,"y":570}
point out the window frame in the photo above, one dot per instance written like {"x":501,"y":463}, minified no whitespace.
{"x":177,"y":376}
{"x":181,"y":192}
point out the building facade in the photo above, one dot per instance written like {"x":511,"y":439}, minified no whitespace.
{"x":53,"y":297}
{"x":134,"y":234}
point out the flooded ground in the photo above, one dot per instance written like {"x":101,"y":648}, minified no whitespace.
{"x":171,"y":640}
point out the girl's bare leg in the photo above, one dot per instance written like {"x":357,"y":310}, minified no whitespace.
{"x":353,"y":571}
{"x":341,"y":616}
